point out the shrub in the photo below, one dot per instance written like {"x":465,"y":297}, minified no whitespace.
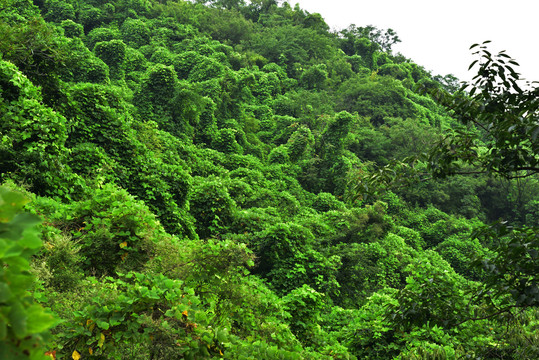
{"x":135,"y":32}
{"x":113,"y":53}
{"x":101,"y":34}
{"x":279,"y":155}
{"x":32,"y":149}
{"x":327,"y":202}
{"x":111,"y":231}
{"x":58,"y":10}
{"x":211,"y":205}
{"x":225,"y":142}
{"x":72,"y":29}
{"x":460,"y":252}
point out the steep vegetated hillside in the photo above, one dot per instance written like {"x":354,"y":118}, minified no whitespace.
{"x":231,"y":179}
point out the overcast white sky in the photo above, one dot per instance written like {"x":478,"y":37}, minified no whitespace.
{"x":438,"y":33}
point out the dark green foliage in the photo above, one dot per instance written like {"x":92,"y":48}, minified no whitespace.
{"x":226,"y":26}
{"x":440,"y":300}
{"x":278,"y":243}
{"x":506,"y":115}
{"x":307,"y":267}
{"x":109,"y":232}
{"x":305,"y":305}
{"x":354,"y":38}
{"x":33,"y":136}
{"x":185,"y":62}
{"x":159,"y":85}
{"x":218,"y":179}
{"x":135,"y":33}
{"x":291,"y":46}
{"x":459,"y":253}
{"x":205,"y":69}
{"x":84,"y":66}
{"x":95,"y":108}
{"x":225,"y":142}
{"x":91,"y":17}
{"x":59,"y":10}
{"x":377,"y":98}
{"x":34,"y":47}
{"x":212,"y":206}
{"x":370,"y":267}
{"x":334,"y":163}
{"x":162,"y":55}
{"x":326,"y":202}
{"x":135,"y":61}
{"x":395,"y":71}
{"x":300,"y":143}
{"x":113,"y":53}
{"x":314,"y":77}
{"x":370,"y":334}
{"x":72,"y":29}
{"x":334,"y":134}
{"x":59,"y":263}
{"x":279,"y":155}
{"x":101,"y":34}
{"x":411,"y":237}
{"x":515,"y":256}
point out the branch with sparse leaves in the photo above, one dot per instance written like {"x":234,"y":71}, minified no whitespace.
{"x":501,"y":118}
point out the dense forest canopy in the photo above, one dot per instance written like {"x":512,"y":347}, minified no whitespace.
{"x":231,"y":179}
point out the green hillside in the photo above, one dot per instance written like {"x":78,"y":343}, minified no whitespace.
{"x":230,"y":179}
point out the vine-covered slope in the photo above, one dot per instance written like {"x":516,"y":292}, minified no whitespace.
{"x":201,"y":171}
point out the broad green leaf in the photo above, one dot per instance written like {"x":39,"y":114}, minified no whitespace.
{"x":13,"y":258}
{"x":103,"y":324}
{"x":4,"y":245}
{"x":18,"y":320}
{"x":39,"y":319}
{"x":31,"y":239}
{"x":11,"y":203}
{"x":5,"y":292}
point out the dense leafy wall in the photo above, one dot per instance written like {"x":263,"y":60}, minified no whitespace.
{"x":223,"y":179}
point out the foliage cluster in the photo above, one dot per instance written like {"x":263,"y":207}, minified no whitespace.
{"x":224,"y":179}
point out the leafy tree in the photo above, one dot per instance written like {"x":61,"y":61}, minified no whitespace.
{"x":376,"y":97}
{"x":212,"y":207}
{"x":91,"y":17}
{"x":72,"y":29}
{"x":505,"y":116}
{"x":135,"y":32}
{"x":449,"y":82}
{"x":304,"y":304}
{"x":83,"y":65}
{"x":301,"y":143}
{"x":101,"y":34}
{"x":113,"y":53}
{"x":291,"y":46}
{"x":228,"y":26}
{"x":33,"y":137}
{"x":314,"y":77}
{"x":225,"y":4}
{"x":244,"y":154}
{"x":58,"y":10}
{"x":316,"y":22}
{"x":352,"y":36}
{"x":34,"y":47}
{"x":511,"y":270}
{"x":225,"y":141}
